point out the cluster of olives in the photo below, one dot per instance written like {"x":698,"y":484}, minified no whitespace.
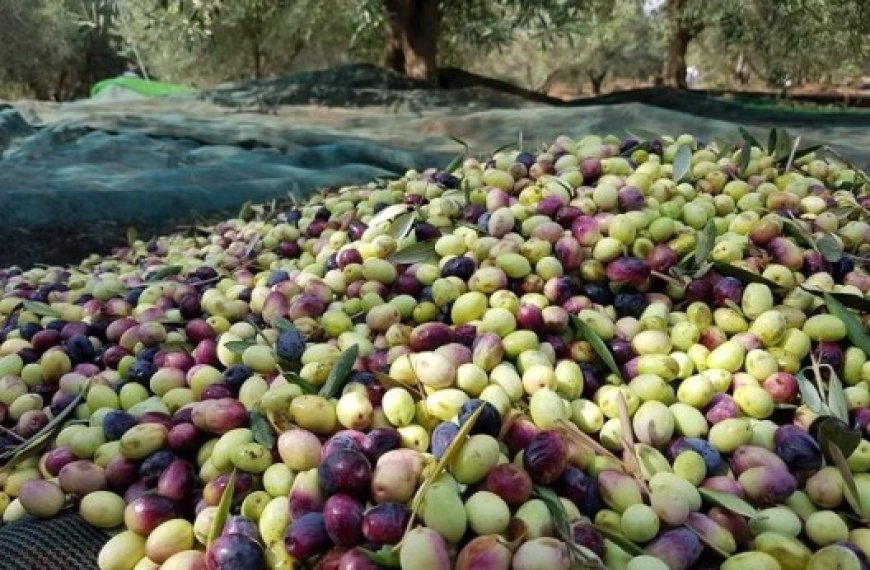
{"x":438,"y":372}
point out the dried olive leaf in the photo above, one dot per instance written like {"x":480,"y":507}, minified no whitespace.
{"x":414,"y":253}
{"x":40,"y":309}
{"x":682,"y":163}
{"x":854,"y":328}
{"x":728,"y":501}
{"x":830,"y":248}
{"x":238,"y":346}
{"x":340,"y":372}
{"x":586,"y":333}
{"x":223,"y":511}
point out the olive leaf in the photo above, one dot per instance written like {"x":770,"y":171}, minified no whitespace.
{"x":414,"y":253}
{"x":40,"y":309}
{"x":644,"y":454}
{"x":164,"y":272}
{"x":693,"y":524}
{"x":850,"y":488}
{"x":837,"y":402}
{"x":645,"y":146}
{"x":747,"y":136}
{"x":744,"y":275}
{"x":237,"y":347}
{"x":246,"y":212}
{"x":619,"y":540}
{"x":132,"y":236}
{"x":771,"y":141}
{"x":784,"y":144}
{"x":579,"y":554}
{"x":223,"y":510}
{"x":728,"y":501}
{"x":830,"y":248}
{"x":745,"y":158}
{"x":43,"y":437}
{"x":385,"y":556}
{"x":860,"y":304}
{"x":388,"y":213}
{"x":854,"y":328}
{"x":340,"y":372}
{"x":809,"y":393}
{"x":283,"y":324}
{"x":506,"y":146}
{"x":586,"y":333}
{"x":799,"y":154}
{"x":831,"y":431}
{"x":439,"y":468}
{"x":295,"y":378}
{"x":682,"y":163}
{"x":706,"y":241}
{"x":261,"y":430}
{"x":457,"y":160}
{"x":402,"y":225}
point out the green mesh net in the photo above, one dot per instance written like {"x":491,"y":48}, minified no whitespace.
{"x":65,"y":542}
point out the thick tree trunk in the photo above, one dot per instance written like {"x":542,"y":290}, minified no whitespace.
{"x":681,"y":34}
{"x":413,"y":29}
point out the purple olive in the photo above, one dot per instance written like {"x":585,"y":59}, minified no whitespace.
{"x":629,"y":270}
{"x":238,"y":524}
{"x":147,"y":512}
{"x":379,"y":441}
{"x":385,"y":523}
{"x":235,"y":551}
{"x":510,"y":482}
{"x":345,"y":471}
{"x":580,"y":489}
{"x":115,"y":423}
{"x":727,"y":289}
{"x":177,"y":481}
{"x":546,"y":457}
{"x":346,"y":439}
{"x":306,"y":536}
{"x":343,"y":518}
{"x":797,"y":448}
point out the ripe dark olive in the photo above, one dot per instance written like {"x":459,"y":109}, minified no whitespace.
{"x":488,"y":422}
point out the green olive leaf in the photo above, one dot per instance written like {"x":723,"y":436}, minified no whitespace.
{"x":854,"y":328}
{"x":831,"y":431}
{"x":830,"y":248}
{"x":237,"y":347}
{"x":745,"y":158}
{"x":223,"y":511}
{"x":414,"y":253}
{"x":505,"y":146}
{"x":619,"y":540}
{"x":850,"y":488}
{"x":580,"y":555}
{"x":837,"y":402}
{"x":728,"y":501}
{"x":747,"y":136}
{"x":246,"y":212}
{"x":164,"y":272}
{"x":784,"y":144}
{"x":283,"y":324}
{"x":40,"y":309}
{"x":402,"y":225}
{"x":860,"y":304}
{"x":744,"y":275}
{"x":385,"y":556}
{"x":43,"y":437}
{"x":682,"y":163}
{"x":261,"y":429}
{"x":586,"y":333}
{"x":706,"y":241}
{"x":809,"y":393}
{"x":340,"y":372}
{"x":806,"y":151}
{"x":771,"y":141}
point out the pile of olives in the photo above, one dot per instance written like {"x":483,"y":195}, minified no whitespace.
{"x":605,"y":353}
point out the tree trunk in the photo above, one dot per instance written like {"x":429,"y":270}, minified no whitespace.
{"x":413,"y":29}
{"x":681,"y":34}
{"x":597,"y":79}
